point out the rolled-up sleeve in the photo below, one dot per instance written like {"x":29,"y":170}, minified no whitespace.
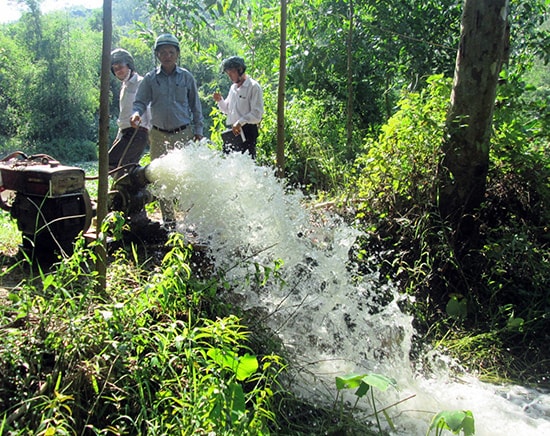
{"x":196,"y":108}
{"x":143,"y":95}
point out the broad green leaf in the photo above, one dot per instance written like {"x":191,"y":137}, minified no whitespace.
{"x":363,"y":389}
{"x":515,"y":324}
{"x":225,"y":359}
{"x":379,"y":381}
{"x":47,"y":281}
{"x":457,"y":307}
{"x":468,"y":424}
{"x":242,"y":366}
{"x":247,"y":365}
{"x":348,"y":381}
{"x":237,"y":400}
{"x":455,"y":421}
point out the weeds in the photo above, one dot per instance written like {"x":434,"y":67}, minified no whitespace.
{"x":139,"y":360}
{"x":364,"y":384}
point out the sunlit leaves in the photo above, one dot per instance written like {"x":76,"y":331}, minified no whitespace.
{"x":398,"y":167}
{"x":454,"y":421}
{"x":364,"y":382}
{"x":243,"y":366}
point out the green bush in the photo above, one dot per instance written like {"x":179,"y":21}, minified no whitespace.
{"x":397,"y":170}
{"x":315,"y":143}
{"x":65,"y":150}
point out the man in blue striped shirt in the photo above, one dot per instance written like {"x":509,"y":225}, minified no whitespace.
{"x":176,"y":112}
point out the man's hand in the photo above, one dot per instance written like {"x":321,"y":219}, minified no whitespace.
{"x":217,"y":96}
{"x":236,"y":129}
{"x":135,"y":120}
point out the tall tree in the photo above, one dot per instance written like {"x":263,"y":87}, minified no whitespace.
{"x":349,"y":69}
{"x":483,"y":49}
{"x":101,"y":248}
{"x":394,"y":43}
{"x":281,"y":95}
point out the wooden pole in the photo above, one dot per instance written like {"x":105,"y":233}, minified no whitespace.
{"x":281,"y":95}
{"x":103,"y":171}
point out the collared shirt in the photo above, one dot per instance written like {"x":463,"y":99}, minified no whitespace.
{"x":127,"y":96}
{"x":244,"y":104}
{"x":174,"y":99}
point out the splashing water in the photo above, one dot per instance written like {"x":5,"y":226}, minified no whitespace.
{"x":332,"y":320}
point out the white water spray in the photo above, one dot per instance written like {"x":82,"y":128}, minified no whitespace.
{"x":333,"y":321}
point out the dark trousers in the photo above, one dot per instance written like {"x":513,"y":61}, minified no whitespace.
{"x":128,"y":148}
{"x":251,"y":135}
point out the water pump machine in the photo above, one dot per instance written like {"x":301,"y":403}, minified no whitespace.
{"x":50,"y":202}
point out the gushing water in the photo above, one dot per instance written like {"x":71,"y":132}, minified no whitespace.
{"x":332,"y":320}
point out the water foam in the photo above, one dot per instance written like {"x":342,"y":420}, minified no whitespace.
{"x":329,"y":317}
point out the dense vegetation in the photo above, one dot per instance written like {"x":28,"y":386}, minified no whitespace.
{"x":160,"y":351}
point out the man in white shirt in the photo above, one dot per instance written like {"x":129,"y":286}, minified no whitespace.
{"x":244,"y":106}
{"x":130,"y":142}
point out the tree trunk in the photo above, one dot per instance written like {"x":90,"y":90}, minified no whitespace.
{"x":349,"y":68}
{"x":281,"y":96}
{"x":482,"y":51}
{"x":101,"y":248}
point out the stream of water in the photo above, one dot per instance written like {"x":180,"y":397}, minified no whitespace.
{"x":332,"y":320}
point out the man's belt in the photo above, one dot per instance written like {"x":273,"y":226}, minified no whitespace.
{"x":176,"y":130}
